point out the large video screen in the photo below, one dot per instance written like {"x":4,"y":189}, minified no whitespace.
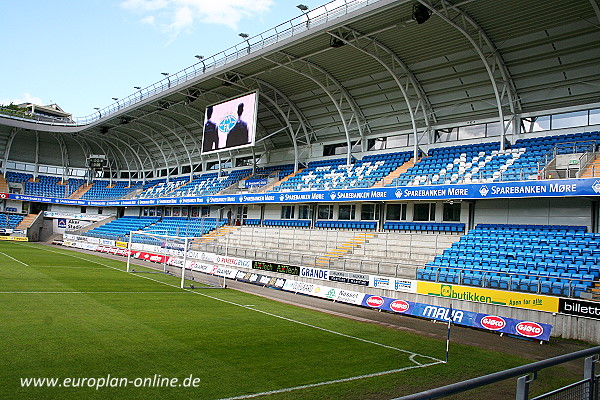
{"x":230,"y":124}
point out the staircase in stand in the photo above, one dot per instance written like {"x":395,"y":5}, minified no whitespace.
{"x":394,"y":174}
{"x":592,"y":170}
{"x":3,"y":184}
{"x":271,"y":185}
{"x":81,"y":191}
{"x":216,"y":233}
{"x":343,"y":249}
{"x":26,"y":221}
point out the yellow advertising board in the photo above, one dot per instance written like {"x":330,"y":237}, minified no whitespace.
{"x":529,"y":301}
{"x":15,"y":238}
{"x":121,"y":245}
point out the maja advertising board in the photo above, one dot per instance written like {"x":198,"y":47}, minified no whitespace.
{"x":529,"y":329}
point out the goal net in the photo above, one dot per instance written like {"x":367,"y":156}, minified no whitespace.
{"x":165,"y":254}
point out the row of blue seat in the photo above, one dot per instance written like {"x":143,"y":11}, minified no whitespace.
{"x":424,"y":226}
{"x":299,"y":223}
{"x":559,"y":287}
{"x":367,"y":225}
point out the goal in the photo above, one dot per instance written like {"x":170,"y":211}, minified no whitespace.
{"x":166,"y":254}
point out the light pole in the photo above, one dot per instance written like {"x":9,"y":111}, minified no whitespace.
{"x":99,"y":113}
{"x":168,"y":79}
{"x":117,"y":100}
{"x":140,"y":89}
{"x":201,"y":58}
{"x":245,"y":36}
{"x":304,"y":9}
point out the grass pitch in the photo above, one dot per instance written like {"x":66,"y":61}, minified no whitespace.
{"x":74,"y":316}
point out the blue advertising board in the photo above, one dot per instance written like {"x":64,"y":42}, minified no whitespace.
{"x":494,"y":190}
{"x":251,"y":183}
{"x":511,"y":326}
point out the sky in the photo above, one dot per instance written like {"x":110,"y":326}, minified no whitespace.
{"x":80,"y":54}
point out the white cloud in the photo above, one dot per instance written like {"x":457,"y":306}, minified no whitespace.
{"x":149,"y":20}
{"x":26,"y":98}
{"x":176,"y":16}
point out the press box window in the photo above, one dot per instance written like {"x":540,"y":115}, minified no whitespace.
{"x":287,"y":212}
{"x":305,"y":211}
{"x":325,"y":211}
{"x":369,"y":212}
{"x":451,"y":212}
{"x":396,"y":212}
{"x":424,"y":212}
{"x":347,"y":211}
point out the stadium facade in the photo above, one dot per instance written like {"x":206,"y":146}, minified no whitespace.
{"x":446,"y":152}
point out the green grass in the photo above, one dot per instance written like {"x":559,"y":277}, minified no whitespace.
{"x":70,"y":315}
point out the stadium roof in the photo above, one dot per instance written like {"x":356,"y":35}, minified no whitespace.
{"x":347,"y":72}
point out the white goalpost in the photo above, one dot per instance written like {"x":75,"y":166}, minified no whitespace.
{"x":172,"y":253}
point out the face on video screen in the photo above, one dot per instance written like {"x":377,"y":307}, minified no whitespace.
{"x":230,"y":124}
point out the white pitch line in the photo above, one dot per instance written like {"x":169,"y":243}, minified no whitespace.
{"x":99,"y":292}
{"x":312,"y":385}
{"x":411,"y":358}
{"x":66,"y":266}
{"x":20,"y":262}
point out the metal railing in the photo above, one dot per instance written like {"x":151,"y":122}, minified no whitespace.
{"x":585,"y":389}
{"x":313,"y":18}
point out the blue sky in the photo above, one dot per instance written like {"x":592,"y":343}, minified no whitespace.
{"x":81,"y":53}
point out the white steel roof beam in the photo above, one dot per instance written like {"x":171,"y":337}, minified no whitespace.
{"x":502,"y":83}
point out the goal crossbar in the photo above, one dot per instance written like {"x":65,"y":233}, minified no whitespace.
{"x":169,"y":247}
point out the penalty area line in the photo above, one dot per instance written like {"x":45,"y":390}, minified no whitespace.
{"x":12,"y":258}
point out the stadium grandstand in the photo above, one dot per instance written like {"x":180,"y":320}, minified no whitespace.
{"x":434,"y":152}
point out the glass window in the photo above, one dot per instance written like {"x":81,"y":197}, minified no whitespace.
{"x":176,"y":211}
{"x":445,"y":135}
{"x":396,"y":212}
{"x":377,"y":144}
{"x":205,"y":211}
{"x":305,"y":211}
{"x":287,"y":212}
{"x":471,"y":131}
{"x":569,"y":120}
{"x":537,"y":124}
{"x":244,"y":161}
{"x":369,"y":212}
{"x":397,"y":141}
{"x":325,"y":211}
{"x":167,"y":211}
{"x":184,"y":211}
{"x":424,"y":212}
{"x":595,"y":116}
{"x":242,"y":213}
{"x":347,"y":211}
{"x":451,"y":212}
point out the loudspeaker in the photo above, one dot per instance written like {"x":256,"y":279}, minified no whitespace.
{"x":420,"y":13}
